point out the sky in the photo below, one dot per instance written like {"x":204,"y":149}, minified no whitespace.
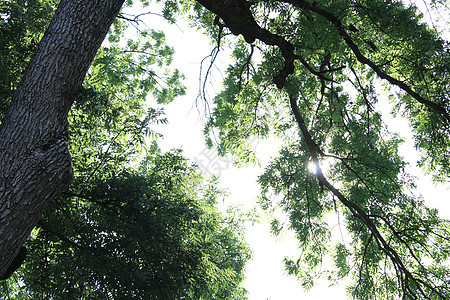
{"x":265,"y":275}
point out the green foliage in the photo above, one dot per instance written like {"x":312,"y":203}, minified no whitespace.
{"x":21,"y":27}
{"x":119,"y":232}
{"x":152,"y":233}
{"x":109,"y":119}
{"x":325,"y":58}
{"x":391,"y":245}
{"x":247,"y":106}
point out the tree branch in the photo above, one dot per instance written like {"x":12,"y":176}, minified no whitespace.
{"x":364,"y":60}
{"x":239,"y":19}
{"x":405,"y":276}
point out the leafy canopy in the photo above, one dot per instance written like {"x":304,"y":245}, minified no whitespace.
{"x":309,"y":73}
{"x":128,"y":226}
{"x":152,"y":232}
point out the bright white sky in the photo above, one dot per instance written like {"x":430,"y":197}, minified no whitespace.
{"x":265,"y":279}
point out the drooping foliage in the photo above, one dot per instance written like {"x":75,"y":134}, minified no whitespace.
{"x":314,"y":74}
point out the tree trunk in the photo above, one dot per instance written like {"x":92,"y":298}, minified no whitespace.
{"x":35,"y":163}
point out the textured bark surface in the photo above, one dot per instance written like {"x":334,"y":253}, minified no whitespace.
{"x":35,"y":164}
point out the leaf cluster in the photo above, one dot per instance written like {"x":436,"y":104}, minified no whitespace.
{"x":21,"y":28}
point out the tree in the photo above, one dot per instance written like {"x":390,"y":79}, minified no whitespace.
{"x":35,"y":163}
{"x":159,"y":223}
{"x":313,"y":83}
{"x":307,"y":71}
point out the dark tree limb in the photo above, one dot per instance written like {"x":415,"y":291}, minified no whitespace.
{"x":239,"y":19}
{"x":57,"y":234}
{"x":17,"y":262}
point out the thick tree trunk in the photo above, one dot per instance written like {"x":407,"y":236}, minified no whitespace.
{"x":35,"y":164}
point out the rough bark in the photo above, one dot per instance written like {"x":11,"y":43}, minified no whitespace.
{"x":35,"y":164}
